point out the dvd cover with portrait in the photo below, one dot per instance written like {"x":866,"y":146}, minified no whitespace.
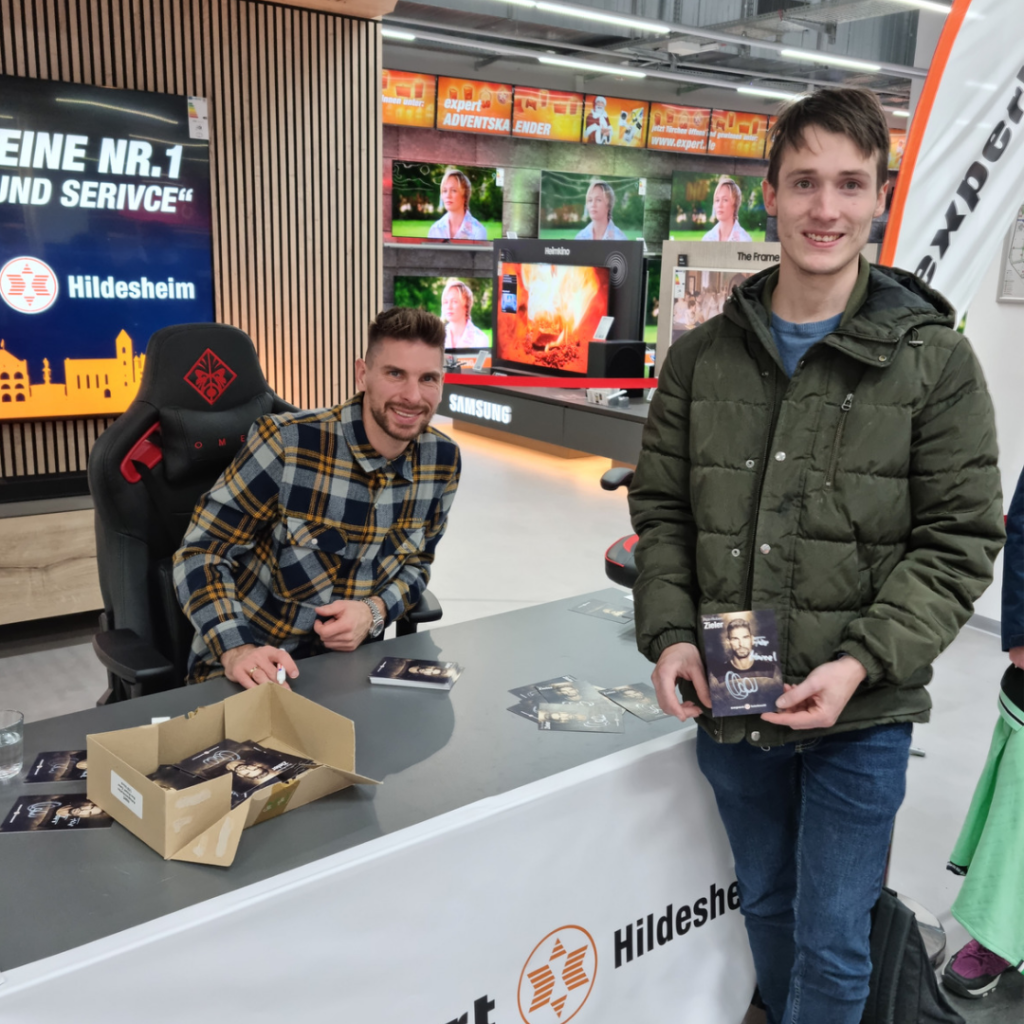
{"x":638,"y":699}
{"x":417,"y":672}
{"x":58,"y":766}
{"x":580,"y":717}
{"x":63,"y":812}
{"x":741,"y":654}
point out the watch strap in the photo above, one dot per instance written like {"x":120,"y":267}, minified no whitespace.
{"x":377,"y":626}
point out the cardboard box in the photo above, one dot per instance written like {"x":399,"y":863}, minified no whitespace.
{"x":197,"y":824}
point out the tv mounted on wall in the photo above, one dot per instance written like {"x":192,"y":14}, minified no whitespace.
{"x":465,"y":304}
{"x":550,"y":296}
{"x":445,"y":202}
{"x":594,"y":207}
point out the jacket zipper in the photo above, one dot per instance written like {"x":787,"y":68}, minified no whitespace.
{"x":769,"y":437}
{"x":834,"y":458}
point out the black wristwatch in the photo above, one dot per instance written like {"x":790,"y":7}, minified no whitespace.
{"x":378,"y":620}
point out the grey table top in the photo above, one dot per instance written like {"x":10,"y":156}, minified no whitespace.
{"x":434,"y":752}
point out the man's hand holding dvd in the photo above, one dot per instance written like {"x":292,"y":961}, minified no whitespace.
{"x":741,"y":650}
{"x":426,"y":675}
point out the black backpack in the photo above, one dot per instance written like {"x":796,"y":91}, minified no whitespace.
{"x":904,"y":989}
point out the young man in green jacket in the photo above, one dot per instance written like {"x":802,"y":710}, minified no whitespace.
{"x":824,"y":448}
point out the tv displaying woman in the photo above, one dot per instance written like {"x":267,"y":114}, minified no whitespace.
{"x":600,"y":203}
{"x":456,"y":306}
{"x":726,"y":207}
{"x":457,"y":223}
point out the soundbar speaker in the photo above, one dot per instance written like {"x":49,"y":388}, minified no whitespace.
{"x":624,"y":359}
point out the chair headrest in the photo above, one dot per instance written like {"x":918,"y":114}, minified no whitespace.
{"x":203,"y":367}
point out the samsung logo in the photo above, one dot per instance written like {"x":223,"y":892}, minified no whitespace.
{"x":556,"y":250}
{"x":479,"y":409}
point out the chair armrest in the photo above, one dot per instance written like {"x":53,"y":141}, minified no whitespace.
{"x":428,"y":609}
{"x":124,"y":653}
{"x":620,"y":476}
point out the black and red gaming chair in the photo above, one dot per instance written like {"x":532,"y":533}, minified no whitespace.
{"x":202,"y":389}
{"x":619,"y":565}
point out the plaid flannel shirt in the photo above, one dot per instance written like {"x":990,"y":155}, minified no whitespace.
{"x":308,"y":513}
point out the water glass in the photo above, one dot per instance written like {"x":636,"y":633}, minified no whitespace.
{"x":12,"y":743}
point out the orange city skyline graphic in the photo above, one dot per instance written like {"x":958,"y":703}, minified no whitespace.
{"x":92,"y":387}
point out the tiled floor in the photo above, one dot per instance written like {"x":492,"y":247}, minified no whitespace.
{"x":528,"y":528}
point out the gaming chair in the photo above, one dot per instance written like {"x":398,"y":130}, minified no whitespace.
{"x":619,"y":565}
{"x":202,"y":389}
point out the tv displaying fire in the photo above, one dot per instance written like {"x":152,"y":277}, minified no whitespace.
{"x":548,"y":313}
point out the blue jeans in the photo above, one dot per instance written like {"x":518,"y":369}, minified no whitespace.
{"x":809,"y":825}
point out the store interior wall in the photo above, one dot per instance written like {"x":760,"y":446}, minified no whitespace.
{"x":524,"y":159}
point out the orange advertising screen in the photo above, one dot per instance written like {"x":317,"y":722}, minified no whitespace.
{"x":547,"y":114}
{"x":547,"y":314}
{"x":466,"y":105}
{"x":408,"y":98}
{"x":736,"y":133}
{"x":608,"y":121}
{"x":681,"y":129}
{"x":897,"y":140}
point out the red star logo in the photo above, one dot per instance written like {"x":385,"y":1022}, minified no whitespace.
{"x":210,"y":376}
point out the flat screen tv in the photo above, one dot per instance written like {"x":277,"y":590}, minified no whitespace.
{"x":465,"y":304}
{"x":548,"y":313}
{"x":104,"y":238}
{"x":716,"y":208}
{"x":590,"y":207}
{"x":652,"y":301}
{"x":445,"y":202}
{"x":699,"y":295}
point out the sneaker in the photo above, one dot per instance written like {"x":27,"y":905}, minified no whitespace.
{"x":974,"y":971}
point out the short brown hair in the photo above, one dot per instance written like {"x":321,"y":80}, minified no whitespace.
{"x":855,"y":113}
{"x":405,"y":324}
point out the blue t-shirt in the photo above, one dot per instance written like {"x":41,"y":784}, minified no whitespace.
{"x":793,"y":340}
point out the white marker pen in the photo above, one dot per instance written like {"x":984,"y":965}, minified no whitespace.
{"x":281,"y":675}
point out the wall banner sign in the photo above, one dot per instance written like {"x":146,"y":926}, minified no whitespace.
{"x":466,"y":105}
{"x":408,"y":98}
{"x":105,"y":238}
{"x":680,"y":129}
{"x":962,"y":174}
{"x":609,"y":121}
{"x":737,"y":133}
{"x":547,"y":114}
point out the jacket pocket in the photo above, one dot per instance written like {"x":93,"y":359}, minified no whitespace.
{"x":311,"y":558}
{"x":833,"y":461}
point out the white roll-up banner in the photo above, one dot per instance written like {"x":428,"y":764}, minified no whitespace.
{"x":962,"y":175}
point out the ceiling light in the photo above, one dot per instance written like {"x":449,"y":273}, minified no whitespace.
{"x":929,"y":5}
{"x":586,"y":65}
{"x":827,"y":58}
{"x":391,"y":33}
{"x":590,"y":14}
{"x":900,"y":113}
{"x":775,"y":94}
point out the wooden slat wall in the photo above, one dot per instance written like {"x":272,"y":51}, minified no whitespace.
{"x":295,"y":157}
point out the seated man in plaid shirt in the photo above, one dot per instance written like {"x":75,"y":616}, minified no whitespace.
{"x":323,"y":528}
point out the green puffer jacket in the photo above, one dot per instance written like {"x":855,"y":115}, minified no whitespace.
{"x":860,"y":499}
